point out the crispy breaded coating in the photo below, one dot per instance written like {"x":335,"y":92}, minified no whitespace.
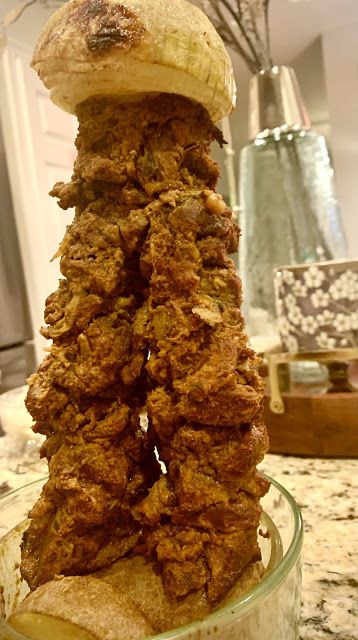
{"x":202,"y":518}
{"x":149,"y":309}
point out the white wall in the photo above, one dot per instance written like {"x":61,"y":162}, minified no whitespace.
{"x":340,"y":52}
{"x":39,"y":143}
{"x":309,"y":67}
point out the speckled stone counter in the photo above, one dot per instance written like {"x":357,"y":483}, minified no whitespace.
{"x":327,"y":492}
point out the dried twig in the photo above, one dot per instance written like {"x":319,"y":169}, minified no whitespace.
{"x":244,"y":34}
{"x":245,"y":28}
{"x":227,"y":33}
{"x":260,"y":46}
{"x":16,"y":13}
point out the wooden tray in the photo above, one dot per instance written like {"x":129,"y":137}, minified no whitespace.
{"x":324,"y":425}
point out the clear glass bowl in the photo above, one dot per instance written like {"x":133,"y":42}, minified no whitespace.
{"x":270,"y":610}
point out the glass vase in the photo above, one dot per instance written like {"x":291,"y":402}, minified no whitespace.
{"x":289,"y":208}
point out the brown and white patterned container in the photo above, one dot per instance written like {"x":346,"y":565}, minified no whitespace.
{"x":317,"y":305}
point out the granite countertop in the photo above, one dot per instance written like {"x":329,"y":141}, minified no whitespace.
{"x":327,"y":492}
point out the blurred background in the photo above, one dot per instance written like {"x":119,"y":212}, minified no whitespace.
{"x":318,"y":38}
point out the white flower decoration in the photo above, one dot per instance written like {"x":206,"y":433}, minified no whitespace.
{"x":349,"y":277}
{"x":325,"y":317}
{"x":309,"y":324}
{"x":342,"y":322}
{"x":354,"y":320}
{"x":339,"y":289}
{"x":320,"y":299}
{"x":299,"y":289}
{"x":324,"y":341}
{"x":313,"y":277}
{"x":353,"y":292}
{"x":290,"y":301}
{"x":291,"y":343}
{"x":287,"y":276}
{"x":283,"y":325}
{"x":295,"y":315}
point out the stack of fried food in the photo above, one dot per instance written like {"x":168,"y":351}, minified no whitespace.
{"x":205,"y":400}
{"x":148,"y":314}
{"x":147,"y":269}
{"x":88,"y":392}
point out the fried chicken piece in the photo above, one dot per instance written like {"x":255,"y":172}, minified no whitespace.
{"x":213,"y":253}
{"x":88,"y":420}
{"x":82,"y":520}
{"x":212,"y":489}
{"x":229,"y":458}
{"x":201,"y":522}
{"x":94,"y":361}
{"x":98,"y":270}
{"x":44,"y":399}
{"x":100,"y":463}
{"x":70,"y":310}
{"x":146,"y":265}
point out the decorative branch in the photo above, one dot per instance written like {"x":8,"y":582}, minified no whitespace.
{"x":261,"y":49}
{"x":267,"y":31}
{"x":226,"y":32}
{"x":244,"y":27}
{"x":16,"y":13}
{"x":245,"y":35}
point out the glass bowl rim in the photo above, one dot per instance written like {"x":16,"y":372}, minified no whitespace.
{"x":241,"y":605}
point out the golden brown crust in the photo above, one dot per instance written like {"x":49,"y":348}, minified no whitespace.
{"x":147,"y":270}
{"x":87,"y":393}
{"x":107,"y":25}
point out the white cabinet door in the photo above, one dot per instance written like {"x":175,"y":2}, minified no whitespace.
{"x":39,"y":140}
